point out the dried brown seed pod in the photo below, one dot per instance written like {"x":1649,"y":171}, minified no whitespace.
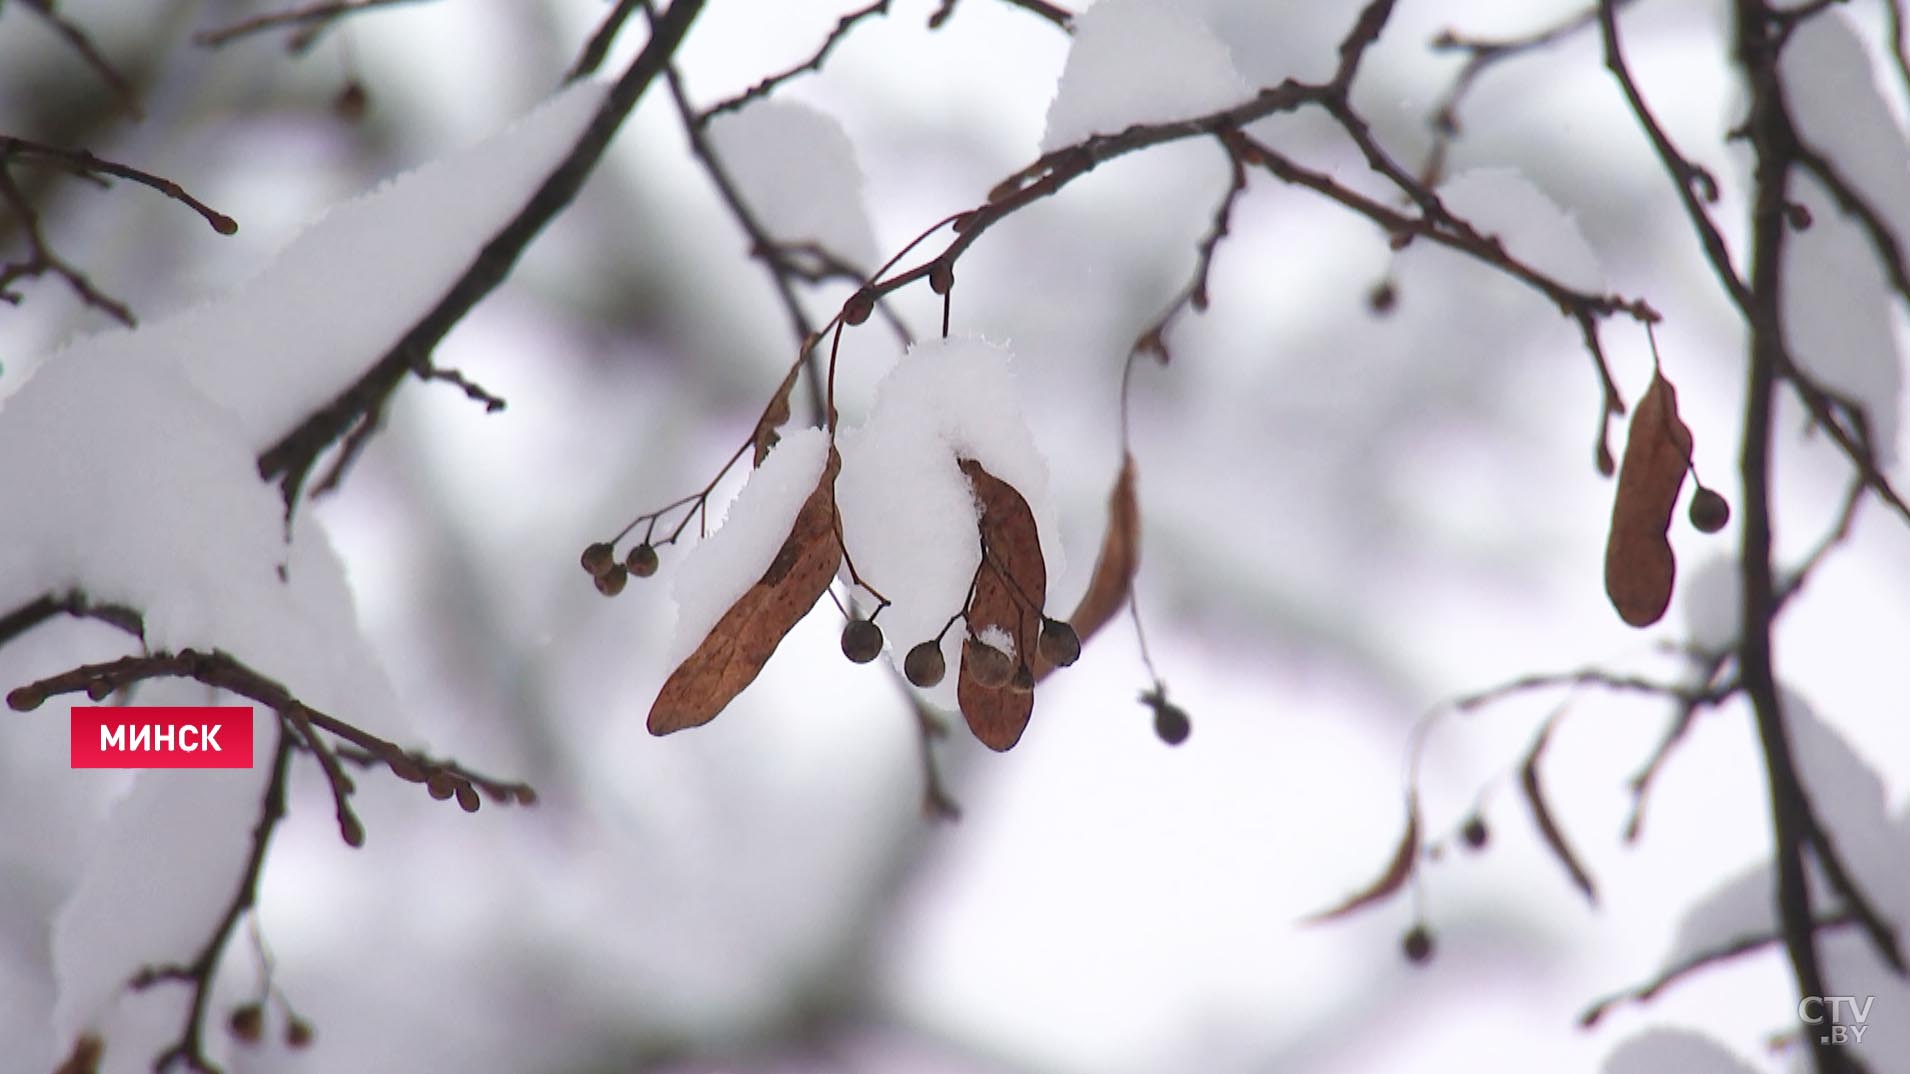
{"x":1709,"y":511}
{"x":598,"y":558}
{"x":247,"y":1023}
{"x":861,"y":641}
{"x":298,"y":1033}
{"x":1023,"y":681}
{"x":642,"y":560}
{"x":611,"y":582}
{"x":1475,"y":833}
{"x":924,"y":665}
{"x":1417,"y":944}
{"x":987,"y":665}
{"x":1059,"y":644}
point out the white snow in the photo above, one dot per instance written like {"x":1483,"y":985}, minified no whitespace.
{"x":797,"y":172}
{"x":1139,"y":61}
{"x":344,"y":290}
{"x":908,"y":513}
{"x":1503,"y":203}
{"x":1848,"y":798}
{"x":719,"y":570}
{"x":1836,"y":299}
{"x":1673,"y":1051}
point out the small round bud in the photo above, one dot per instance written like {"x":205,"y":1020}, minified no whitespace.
{"x":611,"y":582}
{"x":99,"y":691}
{"x":861,"y":641}
{"x":925,"y":665}
{"x":1417,"y":944}
{"x":941,"y":277}
{"x":1475,"y":832}
{"x":1171,"y":723}
{"x":859,"y":307}
{"x":642,"y":560}
{"x":1709,"y":511}
{"x":352,"y":831}
{"x":525,"y":794}
{"x":441,"y":785}
{"x":1383,"y":297}
{"x":351,"y":102}
{"x":1058,"y":644}
{"x":25,"y":698}
{"x":987,"y":665}
{"x":1798,"y":216}
{"x":598,"y":559}
{"x":298,"y":1033}
{"x":467,"y":797}
{"x":1023,"y":681}
{"x":247,"y":1022}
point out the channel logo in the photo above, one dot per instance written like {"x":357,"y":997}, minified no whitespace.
{"x":201,"y":736}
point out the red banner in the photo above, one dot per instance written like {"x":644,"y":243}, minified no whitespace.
{"x":203,"y":736}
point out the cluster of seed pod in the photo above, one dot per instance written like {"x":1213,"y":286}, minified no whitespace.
{"x":600,"y":561}
{"x":924,"y":666}
{"x":246,"y":1023}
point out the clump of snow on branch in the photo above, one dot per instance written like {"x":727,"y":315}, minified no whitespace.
{"x":797,"y":172}
{"x":718,"y":571}
{"x":1139,"y":61}
{"x":158,"y":881}
{"x":1836,"y":296}
{"x":341,"y":293}
{"x":1673,"y":1051}
{"x":132,"y":487}
{"x":1503,"y":203}
{"x":909,"y":516}
{"x":1848,"y":798}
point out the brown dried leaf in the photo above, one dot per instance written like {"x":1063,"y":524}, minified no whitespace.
{"x":1398,"y":871}
{"x":774,"y":415}
{"x":741,"y":642}
{"x":1010,"y":589}
{"x":1542,"y":815}
{"x":1639,"y":567}
{"x":1120,"y":557}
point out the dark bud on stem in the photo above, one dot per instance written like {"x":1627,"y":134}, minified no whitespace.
{"x":861,"y":641}
{"x":1798,"y":216}
{"x":859,"y":307}
{"x":25,"y":699}
{"x":1709,"y":511}
{"x":611,"y":582}
{"x":1059,"y":644}
{"x":247,"y":1023}
{"x":350,"y":103}
{"x":642,"y":560}
{"x":467,"y":797}
{"x":1383,"y":297}
{"x":1171,"y":723}
{"x":1417,"y":944}
{"x":925,"y":665}
{"x":598,"y":559}
{"x":298,"y":1033}
{"x":941,"y":277}
{"x":1607,"y":466}
{"x":1475,"y":832}
{"x":352,"y":831}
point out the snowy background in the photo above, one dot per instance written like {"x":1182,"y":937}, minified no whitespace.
{"x":1348,"y":519}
